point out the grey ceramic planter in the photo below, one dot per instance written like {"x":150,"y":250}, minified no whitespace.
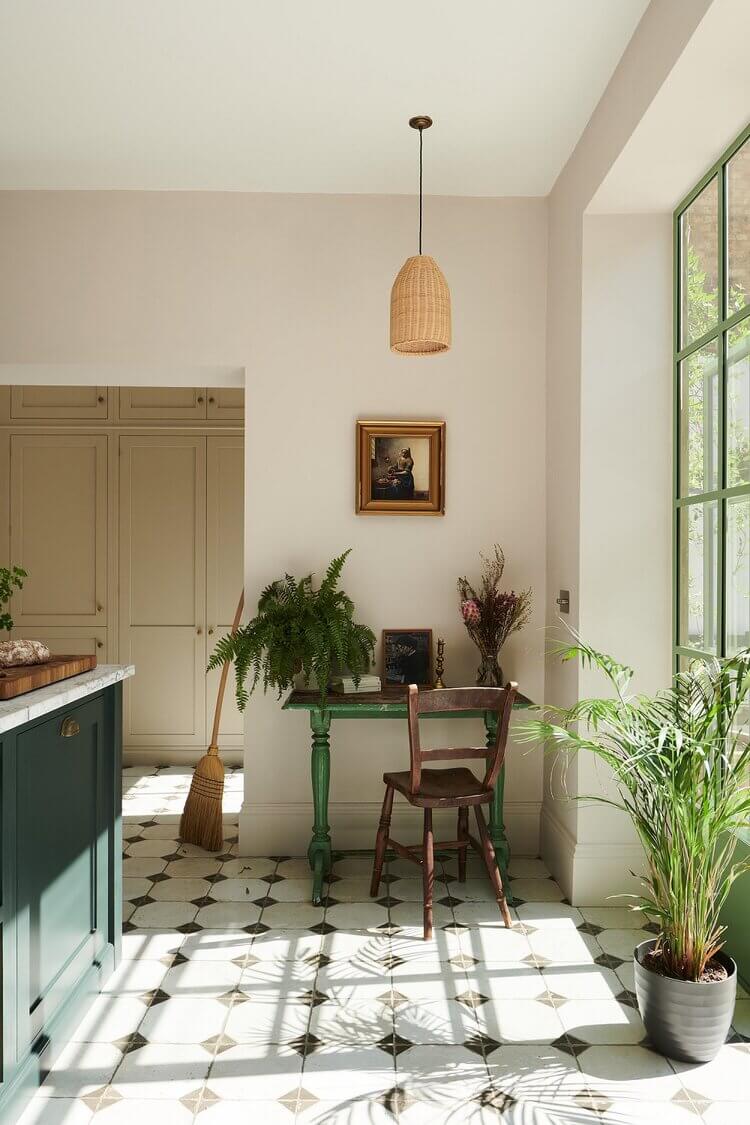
{"x":684,"y":1019}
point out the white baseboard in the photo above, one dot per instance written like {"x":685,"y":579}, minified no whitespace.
{"x":589,"y":874}
{"x":163,"y":757}
{"x":285,"y":829}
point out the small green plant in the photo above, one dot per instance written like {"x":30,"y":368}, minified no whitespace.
{"x":297,"y":629}
{"x":11,"y":579}
{"x":680,"y":760}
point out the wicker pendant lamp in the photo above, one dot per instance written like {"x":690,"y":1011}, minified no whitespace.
{"x":420,"y":298}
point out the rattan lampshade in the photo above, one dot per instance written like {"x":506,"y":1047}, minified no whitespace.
{"x":420,"y":297}
{"x":420,"y":308}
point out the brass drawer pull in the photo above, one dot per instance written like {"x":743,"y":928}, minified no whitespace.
{"x":69,"y":728}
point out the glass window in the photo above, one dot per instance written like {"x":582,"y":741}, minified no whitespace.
{"x":738,"y":404}
{"x":699,"y":421}
{"x":738,"y":574}
{"x":738,"y":233}
{"x":698,"y":576}
{"x":699,"y":231}
{"x":712,"y":400}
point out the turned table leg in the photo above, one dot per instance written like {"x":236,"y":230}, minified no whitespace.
{"x":496,"y":826}
{"x":319,"y":852}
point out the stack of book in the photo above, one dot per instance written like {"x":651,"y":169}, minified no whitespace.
{"x":345,"y":685}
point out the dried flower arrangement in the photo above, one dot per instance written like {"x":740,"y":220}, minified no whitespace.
{"x":492,"y":615}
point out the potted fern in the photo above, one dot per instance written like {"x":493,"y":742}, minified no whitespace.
{"x":298,"y":631}
{"x":680,"y":761}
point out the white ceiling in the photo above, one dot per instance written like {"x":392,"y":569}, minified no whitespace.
{"x":301,"y":95}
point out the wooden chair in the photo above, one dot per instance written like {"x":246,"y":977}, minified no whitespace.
{"x":454,"y":788}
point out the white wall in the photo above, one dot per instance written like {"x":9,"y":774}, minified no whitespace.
{"x":295,"y":289}
{"x":656,"y":46}
{"x":625,"y":489}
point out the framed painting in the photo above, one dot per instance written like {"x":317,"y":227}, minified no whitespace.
{"x":407,"y":657}
{"x":401,"y":468}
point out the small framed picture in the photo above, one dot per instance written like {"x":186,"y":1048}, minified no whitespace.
{"x":407,"y":657}
{"x":401,"y":468}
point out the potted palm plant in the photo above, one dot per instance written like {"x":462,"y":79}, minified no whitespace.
{"x":680,"y":760}
{"x":297,"y":631}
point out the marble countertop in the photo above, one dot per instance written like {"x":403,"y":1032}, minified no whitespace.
{"x":32,"y":705}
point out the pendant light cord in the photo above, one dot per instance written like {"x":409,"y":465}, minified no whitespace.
{"x":420,"y":191}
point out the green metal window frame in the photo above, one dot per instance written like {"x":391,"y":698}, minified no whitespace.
{"x":717,"y":334}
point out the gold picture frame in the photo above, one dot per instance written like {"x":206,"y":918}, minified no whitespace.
{"x":400,"y":468}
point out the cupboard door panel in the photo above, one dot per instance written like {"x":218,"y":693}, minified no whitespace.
{"x":226,"y":403}
{"x":67,"y":642}
{"x":163,"y":589}
{"x":162,"y":522}
{"x":59,"y":527}
{"x":61,"y":899}
{"x":74,"y":403}
{"x":224,"y":568}
{"x":167,"y":694}
{"x":165,"y":403}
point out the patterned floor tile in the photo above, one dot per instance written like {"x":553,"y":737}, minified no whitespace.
{"x":632,"y":1072}
{"x":183,"y":1020}
{"x":256,"y":1073}
{"x":56,"y":1111}
{"x":163,"y":1071}
{"x":357,"y":1070}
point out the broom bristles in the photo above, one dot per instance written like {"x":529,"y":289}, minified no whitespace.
{"x":201,"y":821}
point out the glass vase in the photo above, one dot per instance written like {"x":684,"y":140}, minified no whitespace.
{"x":489,"y":672}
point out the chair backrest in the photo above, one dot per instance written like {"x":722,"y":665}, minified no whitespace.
{"x":490,"y":700}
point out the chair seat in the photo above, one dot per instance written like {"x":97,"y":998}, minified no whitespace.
{"x":444,"y":787}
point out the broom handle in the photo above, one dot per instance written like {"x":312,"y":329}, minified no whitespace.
{"x":223,"y":681}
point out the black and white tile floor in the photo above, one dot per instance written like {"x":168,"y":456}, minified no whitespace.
{"x":237,"y":1001}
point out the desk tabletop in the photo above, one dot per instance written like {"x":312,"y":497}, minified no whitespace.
{"x":390,"y":703}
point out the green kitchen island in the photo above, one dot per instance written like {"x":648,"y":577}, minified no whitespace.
{"x":390,"y":703}
{"x":61,"y":869}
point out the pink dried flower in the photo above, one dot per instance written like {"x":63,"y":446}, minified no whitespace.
{"x":470,"y":612}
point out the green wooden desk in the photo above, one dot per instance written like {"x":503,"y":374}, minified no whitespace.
{"x":387,"y":704}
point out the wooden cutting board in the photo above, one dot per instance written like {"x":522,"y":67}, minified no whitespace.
{"x":17,"y":681}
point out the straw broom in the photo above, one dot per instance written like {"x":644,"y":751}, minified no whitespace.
{"x":201,"y":821}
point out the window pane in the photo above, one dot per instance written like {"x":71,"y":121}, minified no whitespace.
{"x":699,"y":238}
{"x":699,"y":421}
{"x":698,"y":575}
{"x":738,"y":250}
{"x":738,"y":404}
{"x":738,"y":574}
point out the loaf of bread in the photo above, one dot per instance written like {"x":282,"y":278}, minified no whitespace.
{"x":15,"y":653}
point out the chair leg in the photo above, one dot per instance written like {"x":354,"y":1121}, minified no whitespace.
{"x":488,"y":852}
{"x":381,"y":840}
{"x":428,"y":872}
{"x":463,"y":834}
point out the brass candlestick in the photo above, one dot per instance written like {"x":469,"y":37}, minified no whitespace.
{"x":440,"y":663}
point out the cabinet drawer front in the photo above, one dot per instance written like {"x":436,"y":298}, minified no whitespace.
{"x":61,"y":890}
{"x":226,"y":402}
{"x":164,"y":403}
{"x":59,"y":403}
{"x":78,"y":641}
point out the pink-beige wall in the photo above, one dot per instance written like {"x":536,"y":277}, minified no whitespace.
{"x":295,"y":289}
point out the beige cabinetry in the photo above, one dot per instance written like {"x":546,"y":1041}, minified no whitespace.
{"x":71,"y":642}
{"x":225,"y":403}
{"x":60,"y":403}
{"x":163,"y":588}
{"x":178,"y":404}
{"x":58,"y":527}
{"x":224,"y":567}
{"x":132,"y":535}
